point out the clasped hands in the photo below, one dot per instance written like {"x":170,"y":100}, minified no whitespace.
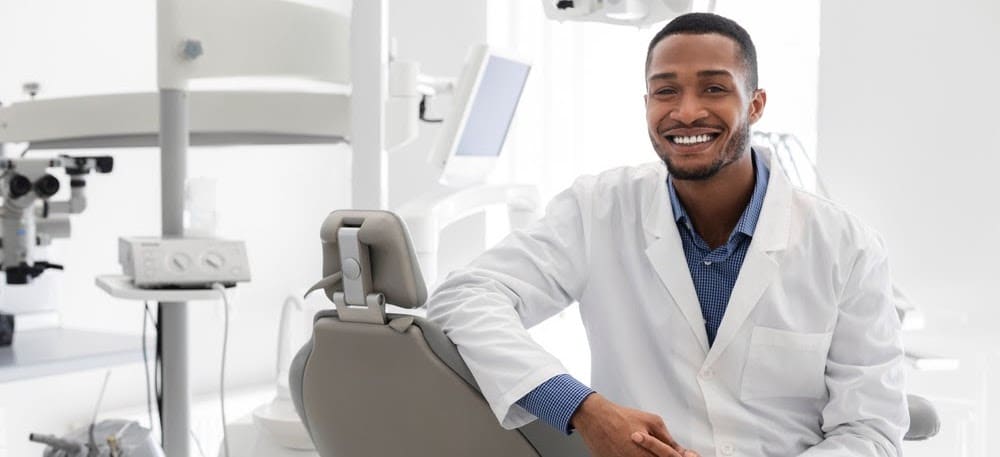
{"x":610,"y":430}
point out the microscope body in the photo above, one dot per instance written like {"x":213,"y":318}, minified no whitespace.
{"x":29,"y":218}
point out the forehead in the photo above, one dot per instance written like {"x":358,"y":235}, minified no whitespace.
{"x":692,"y":53}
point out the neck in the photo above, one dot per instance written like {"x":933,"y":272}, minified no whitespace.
{"x":716,"y":204}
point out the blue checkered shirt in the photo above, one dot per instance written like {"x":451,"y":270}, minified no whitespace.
{"x":713,"y":272}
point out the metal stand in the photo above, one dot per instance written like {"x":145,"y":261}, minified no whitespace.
{"x":173,"y":337}
{"x":369,"y":69}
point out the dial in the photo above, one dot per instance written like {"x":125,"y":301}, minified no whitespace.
{"x":213,"y":261}
{"x":179,"y":262}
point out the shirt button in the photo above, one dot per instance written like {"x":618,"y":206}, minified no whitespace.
{"x":708,"y":262}
{"x":727,"y":449}
{"x":706,"y":374}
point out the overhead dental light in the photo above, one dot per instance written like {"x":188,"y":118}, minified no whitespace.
{"x":639,"y":13}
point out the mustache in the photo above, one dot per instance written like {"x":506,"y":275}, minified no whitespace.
{"x":680,"y":125}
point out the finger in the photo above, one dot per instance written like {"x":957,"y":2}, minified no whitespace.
{"x":659,"y":430}
{"x":654,"y":445}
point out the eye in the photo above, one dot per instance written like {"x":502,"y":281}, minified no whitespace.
{"x":665,"y":91}
{"x":715,"y":89}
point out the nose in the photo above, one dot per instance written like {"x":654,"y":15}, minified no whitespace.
{"x":688,"y":110}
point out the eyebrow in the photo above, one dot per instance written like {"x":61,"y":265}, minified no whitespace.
{"x":701,"y":74}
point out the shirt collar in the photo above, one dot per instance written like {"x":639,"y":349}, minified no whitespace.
{"x":748,"y":220}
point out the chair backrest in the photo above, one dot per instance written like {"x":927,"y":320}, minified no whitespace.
{"x":394,"y":384}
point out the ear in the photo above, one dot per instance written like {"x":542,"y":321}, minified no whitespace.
{"x":757,"y":102}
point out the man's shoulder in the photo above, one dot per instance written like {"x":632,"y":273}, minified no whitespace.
{"x":822,"y":214}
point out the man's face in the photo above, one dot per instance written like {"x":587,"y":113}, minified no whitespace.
{"x":698,"y":107}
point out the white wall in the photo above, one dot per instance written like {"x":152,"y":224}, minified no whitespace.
{"x":907,"y":121}
{"x":273,"y":197}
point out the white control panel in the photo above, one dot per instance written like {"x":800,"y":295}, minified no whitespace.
{"x":183,"y":262}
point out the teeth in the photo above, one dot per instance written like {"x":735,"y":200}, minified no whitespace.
{"x":692,"y":139}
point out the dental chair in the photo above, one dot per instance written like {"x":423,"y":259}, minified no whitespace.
{"x":374,"y":384}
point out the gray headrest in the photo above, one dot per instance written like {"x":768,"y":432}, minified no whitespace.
{"x":395,"y":271}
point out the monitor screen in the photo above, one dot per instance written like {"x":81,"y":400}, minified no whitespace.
{"x":492,"y":109}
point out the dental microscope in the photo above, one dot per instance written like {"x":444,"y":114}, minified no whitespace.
{"x":29,"y":219}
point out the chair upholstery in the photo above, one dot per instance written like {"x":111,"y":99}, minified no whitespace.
{"x":402,"y":389}
{"x":372,"y":384}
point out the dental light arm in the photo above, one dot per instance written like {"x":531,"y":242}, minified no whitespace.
{"x":28,"y":219}
{"x":428,"y":215}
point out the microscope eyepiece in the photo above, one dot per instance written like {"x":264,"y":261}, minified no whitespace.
{"x":19,"y":186}
{"x":105,"y":164}
{"x":47,"y":186}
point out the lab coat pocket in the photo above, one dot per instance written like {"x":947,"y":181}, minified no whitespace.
{"x":782,"y":363}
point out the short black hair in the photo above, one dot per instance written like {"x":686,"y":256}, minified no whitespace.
{"x":706,"y":23}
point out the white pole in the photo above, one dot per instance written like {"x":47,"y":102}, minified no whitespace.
{"x":369,"y":82}
{"x":174,"y":139}
{"x":173,"y":315}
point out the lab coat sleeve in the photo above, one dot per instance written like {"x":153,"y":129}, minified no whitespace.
{"x":487,"y":307}
{"x":866,"y":414}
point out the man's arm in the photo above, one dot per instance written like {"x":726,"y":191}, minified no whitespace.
{"x":555,"y":401}
{"x":867,"y":412}
{"x":486,"y":307}
{"x":531,"y":275}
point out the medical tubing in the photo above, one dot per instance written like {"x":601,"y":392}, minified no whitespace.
{"x":222,"y":371}
{"x":158,"y":370}
{"x":146,"y":316}
{"x":197,"y":442}
{"x":795,"y":158}
{"x":820,"y":184}
{"x":92,"y":443}
{"x":788,"y":162}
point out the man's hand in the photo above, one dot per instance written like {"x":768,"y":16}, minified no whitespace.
{"x":610,"y":430}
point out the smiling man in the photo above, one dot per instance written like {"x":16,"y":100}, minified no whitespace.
{"x":727,"y":312}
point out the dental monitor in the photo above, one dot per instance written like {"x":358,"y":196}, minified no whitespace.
{"x":484,"y":101}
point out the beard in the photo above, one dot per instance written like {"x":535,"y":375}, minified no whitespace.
{"x":732,"y":151}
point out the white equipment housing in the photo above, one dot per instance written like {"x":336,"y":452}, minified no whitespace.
{"x":217,"y":118}
{"x":183,"y":262}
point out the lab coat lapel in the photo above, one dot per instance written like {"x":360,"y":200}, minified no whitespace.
{"x":666,"y":254}
{"x":760,"y":266}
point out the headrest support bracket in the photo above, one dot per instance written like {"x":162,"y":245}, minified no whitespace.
{"x":373,"y":312}
{"x":357,"y":302}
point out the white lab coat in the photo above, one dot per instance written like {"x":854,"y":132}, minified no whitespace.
{"x":807,"y":360}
